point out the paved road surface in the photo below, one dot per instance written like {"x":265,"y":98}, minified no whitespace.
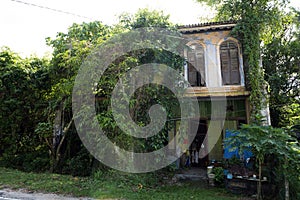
{"x":8,"y":194}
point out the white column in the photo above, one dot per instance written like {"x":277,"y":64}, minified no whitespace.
{"x":185,"y":70}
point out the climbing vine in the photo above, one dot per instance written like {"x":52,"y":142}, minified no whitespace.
{"x":248,"y":33}
{"x":257,"y":22}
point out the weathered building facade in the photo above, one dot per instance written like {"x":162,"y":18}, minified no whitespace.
{"x":215,"y":70}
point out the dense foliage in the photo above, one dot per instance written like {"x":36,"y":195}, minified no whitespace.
{"x":281,"y":61}
{"x":37,"y":129}
{"x":23,"y":84}
{"x":275,"y":150}
{"x":269,"y":34}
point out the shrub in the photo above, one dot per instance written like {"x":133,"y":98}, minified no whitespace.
{"x":219,"y":175}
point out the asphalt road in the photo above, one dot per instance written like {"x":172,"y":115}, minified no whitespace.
{"x":8,"y":194}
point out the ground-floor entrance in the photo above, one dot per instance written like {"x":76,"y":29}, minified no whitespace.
{"x":198,"y":148}
{"x":208,"y":144}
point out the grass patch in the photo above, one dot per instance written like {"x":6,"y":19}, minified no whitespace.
{"x":111,"y":185}
{"x":44,"y":182}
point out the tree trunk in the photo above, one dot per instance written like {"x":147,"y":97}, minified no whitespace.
{"x":59,"y":135}
{"x":287,"y":190}
{"x":286,"y":184}
{"x":57,"y":132}
{"x":259,"y":191}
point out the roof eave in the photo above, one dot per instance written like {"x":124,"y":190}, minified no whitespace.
{"x":206,"y":27}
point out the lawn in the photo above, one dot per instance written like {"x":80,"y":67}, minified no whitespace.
{"x":111,"y":185}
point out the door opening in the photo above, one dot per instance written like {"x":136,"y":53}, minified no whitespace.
{"x":198,"y":148}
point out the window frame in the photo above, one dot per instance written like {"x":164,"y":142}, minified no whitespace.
{"x":200,"y":79}
{"x":231,"y":70}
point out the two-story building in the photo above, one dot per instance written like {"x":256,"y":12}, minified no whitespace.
{"x":214,"y":68}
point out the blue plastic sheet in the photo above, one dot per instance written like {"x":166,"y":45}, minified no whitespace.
{"x":228,"y":153}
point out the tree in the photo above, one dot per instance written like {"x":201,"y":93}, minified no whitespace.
{"x":23,"y":82}
{"x":36,"y":114}
{"x":264,"y":141}
{"x":145,"y":96}
{"x":146,"y":18}
{"x":70,"y":49}
{"x":281,"y":58}
{"x":259,"y":24}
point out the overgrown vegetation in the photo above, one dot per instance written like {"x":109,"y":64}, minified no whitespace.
{"x":269,"y":35}
{"x":281,"y":58}
{"x":275,"y":143}
{"x":110,"y":185}
{"x":37,"y":129}
{"x":262,"y":26}
{"x":37,"y":132}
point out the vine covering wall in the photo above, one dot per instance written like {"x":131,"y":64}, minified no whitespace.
{"x":258,"y":21}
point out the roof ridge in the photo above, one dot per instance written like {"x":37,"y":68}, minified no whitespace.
{"x":207,"y":24}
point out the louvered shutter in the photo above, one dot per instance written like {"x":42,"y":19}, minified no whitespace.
{"x":229,"y":63}
{"x":196,"y":66}
{"x":192,"y":72}
{"x":200,"y":65}
{"x":225,"y":66}
{"x":235,"y":73}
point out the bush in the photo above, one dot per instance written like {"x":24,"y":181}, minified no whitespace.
{"x":219,"y":175}
{"x":32,"y":161}
{"x":79,"y":165}
{"x":35,"y":162}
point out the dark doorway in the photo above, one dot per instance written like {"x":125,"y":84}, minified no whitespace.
{"x":198,"y":149}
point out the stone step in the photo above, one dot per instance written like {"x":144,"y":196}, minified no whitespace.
{"x":190,"y":177}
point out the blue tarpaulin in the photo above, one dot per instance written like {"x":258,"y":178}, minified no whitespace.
{"x":229,"y":154}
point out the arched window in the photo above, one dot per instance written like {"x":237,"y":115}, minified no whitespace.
{"x":196,"y":65}
{"x":229,"y":54}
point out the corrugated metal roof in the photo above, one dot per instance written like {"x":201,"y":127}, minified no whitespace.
{"x":209,"y":26}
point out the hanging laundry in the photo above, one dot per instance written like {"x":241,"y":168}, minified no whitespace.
{"x":188,"y":157}
{"x":192,"y":157}
{"x":196,"y":157}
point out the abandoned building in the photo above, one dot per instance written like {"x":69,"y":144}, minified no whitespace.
{"x":215,"y":70}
